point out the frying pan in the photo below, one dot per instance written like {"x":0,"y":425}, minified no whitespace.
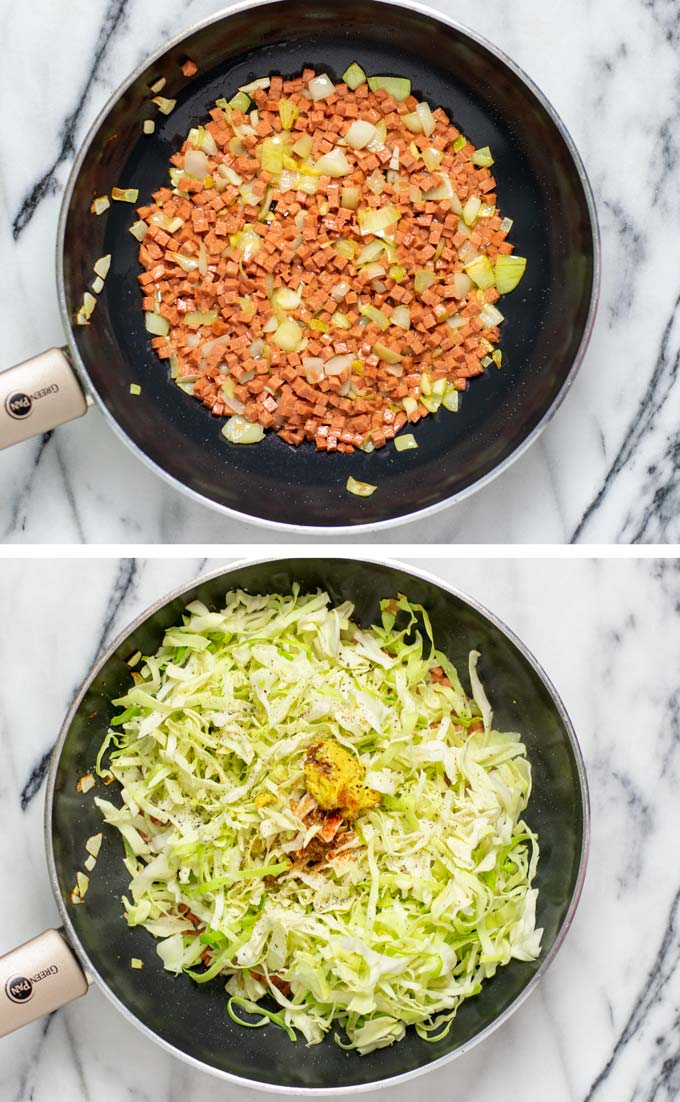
{"x":542,"y":185}
{"x":190,"y":1020}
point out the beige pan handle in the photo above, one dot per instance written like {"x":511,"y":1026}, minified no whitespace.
{"x":38,"y":977}
{"x":37,"y":395}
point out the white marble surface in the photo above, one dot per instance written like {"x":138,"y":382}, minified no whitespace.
{"x":606,"y":469}
{"x":603,"y":1025}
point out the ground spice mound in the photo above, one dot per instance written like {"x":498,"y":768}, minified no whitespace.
{"x":328,"y":280}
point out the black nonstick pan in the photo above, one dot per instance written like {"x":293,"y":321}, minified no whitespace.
{"x":190,"y":1020}
{"x":541,"y":183}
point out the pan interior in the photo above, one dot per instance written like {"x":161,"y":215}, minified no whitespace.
{"x":192,"y":1018}
{"x":538,"y":185}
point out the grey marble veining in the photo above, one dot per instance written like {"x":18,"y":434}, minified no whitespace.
{"x":605,"y":470}
{"x":604,"y":1024}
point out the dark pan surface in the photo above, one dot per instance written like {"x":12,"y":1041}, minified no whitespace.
{"x":193,"y":1018}
{"x":539,"y":186}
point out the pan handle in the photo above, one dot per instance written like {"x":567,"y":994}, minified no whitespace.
{"x":37,"y":395}
{"x":38,"y":977}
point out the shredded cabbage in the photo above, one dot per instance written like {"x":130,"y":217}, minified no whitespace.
{"x":370,"y":923}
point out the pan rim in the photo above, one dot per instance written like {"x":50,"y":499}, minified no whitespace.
{"x":309,"y":1092}
{"x":416,"y":514}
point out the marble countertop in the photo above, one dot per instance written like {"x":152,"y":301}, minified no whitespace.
{"x":603,"y":1025}
{"x":605,"y":470}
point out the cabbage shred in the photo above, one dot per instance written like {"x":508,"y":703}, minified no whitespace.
{"x":410,"y":906}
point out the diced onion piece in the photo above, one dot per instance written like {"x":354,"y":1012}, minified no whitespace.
{"x":471,"y":210}
{"x":202,"y":258}
{"x":482,"y":157}
{"x":368,"y":446}
{"x":375,"y":315}
{"x":509,"y":271}
{"x":387,"y":354}
{"x":360,"y":489}
{"x":340,"y":290}
{"x":491,"y":316}
{"x":506,"y":225}
{"x":354,"y":76}
{"x":481,"y":272}
{"x":196,"y":164}
{"x":165,"y":106}
{"x":196,"y":318}
{"x":93,"y":844}
{"x":427,"y":119}
{"x":186,"y":263}
{"x":285,"y":298}
{"x":271,"y":155}
{"x":497,"y":357}
{"x":345,"y":248}
{"x":158,"y":86}
{"x":432,"y":158}
{"x":460,"y":143}
{"x":288,"y":112}
{"x":374,"y":272}
{"x":97,"y":285}
{"x":360,"y":133}
{"x":82,"y":884}
{"x":410,"y":405}
{"x":313,"y":368}
{"x":303,"y":146}
{"x":135,"y":388}
{"x":135,"y":962}
{"x":157,"y":324}
{"x":125,"y":195}
{"x":288,"y":335}
{"x":228,"y":173}
{"x":370,"y":252}
{"x":397,"y":273}
{"x":89,"y":863}
{"x":75,"y":897}
{"x":451,"y":399}
{"x":338,"y":364}
{"x":378,"y":141}
{"x":340,"y":320}
{"x":89,"y":303}
{"x":100,"y":204}
{"x":101,"y":266}
{"x":397,"y":87}
{"x":240,"y":102}
{"x":149,"y":126}
{"x":239,"y":431}
{"x":405,"y":443}
{"x":423,"y":280}
{"x":349,"y":198}
{"x":401,"y":316}
{"x":455,"y":321}
{"x":377,"y":220}
{"x":486,"y":211}
{"x":462,"y":284}
{"x":412,"y":122}
{"x":333,"y":164}
{"x":85,"y":783}
{"x":261,"y":82}
{"x":376,"y":182}
{"x":321,"y":87}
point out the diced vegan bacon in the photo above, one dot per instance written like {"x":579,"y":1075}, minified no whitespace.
{"x":282,"y":307}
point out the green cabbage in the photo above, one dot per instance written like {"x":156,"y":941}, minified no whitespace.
{"x":421,"y":899}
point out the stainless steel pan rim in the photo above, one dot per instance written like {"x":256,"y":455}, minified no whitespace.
{"x":418,"y":514}
{"x":328,"y":1092}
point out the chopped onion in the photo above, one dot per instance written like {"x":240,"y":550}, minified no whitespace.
{"x":149,"y":126}
{"x":97,"y":285}
{"x":288,"y":335}
{"x":360,"y":133}
{"x":196,"y":164}
{"x":165,"y":106}
{"x":375,"y":315}
{"x":482,"y":157}
{"x":286,"y":298}
{"x":202,"y":258}
{"x":257,"y":348}
{"x":427,"y":119}
{"x":354,"y":76}
{"x":239,"y":431}
{"x":471,"y":210}
{"x":432,"y":158}
{"x":93,"y":845}
{"x":321,"y":87}
{"x":481,"y":272}
{"x":376,"y":221}
{"x":195,"y":318}
{"x":360,"y":489}
{"x":508,"y":272}
{"x":462,"y":284}
{"x":401,"y":316}
{"x":100,"y":204}
{"x":395,"y":369}
{"x":333,"y":164}
{"x":397,"y":87}
{"x":186,"y":263}
{"x":303,"y":146}
{"x":313,"y":367}
{"x":412,"y":122}
{"x":101,"y":266}
{"x":228,"y":174}
{"x":338,"y":364}
{"x":340,"y":320}
{"x":405,"y":443}
{"x":158,"y":86}
{"x":261,"y":82}
{"x":378,"y":141}
{"x":491,"y":316}
{"x":340,"y":290}
{"x":387,"y":354}
{"x":156,"y":324}
{"x":85,"y":783}
{"x":271,"y":325}
{"x":193,"y":341}
{"x":125,"y":195}
{"x":376,"y":182}
{"x":456,"y":321}
{"x":423,"y":280}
